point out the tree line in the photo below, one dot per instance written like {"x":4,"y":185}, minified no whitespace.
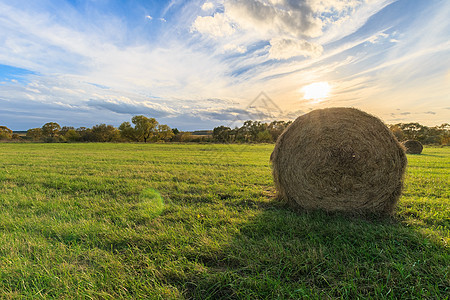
{"x":144,"y":129}
{"x":437,"y":135}
{"x":250,"y":132}
{"x":141,"y":129}
{"x":257,"y":132}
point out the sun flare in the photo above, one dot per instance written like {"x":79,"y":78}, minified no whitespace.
{"x":316,"y":91}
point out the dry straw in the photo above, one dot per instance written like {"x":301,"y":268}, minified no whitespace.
{"x":413,"y":147}
{"x":339,"y":159}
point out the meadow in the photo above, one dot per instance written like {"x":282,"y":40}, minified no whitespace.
{"x":192,"y":221}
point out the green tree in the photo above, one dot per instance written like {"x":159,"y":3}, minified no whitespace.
{"x":72,"y":135}
{"x":65,"y":129}
{"x":430,"y":135}
{"x":85,"y":134}
{"x":144,"y":127}
{"x":105,"y":133}
{"x":51,"y":129}
{"x":264,"y":137}
{"x":221,"y":134}
{"x":243,"y":134}
{"x":256,"y":127}
{"x":164,"y":132}
{"x":5,"y":133}
{"x":127,"y":132}
{"x":276,"y":128}
{"x":444,"y":134}
{"x":412,"y":131}
{"x":34,"y":133}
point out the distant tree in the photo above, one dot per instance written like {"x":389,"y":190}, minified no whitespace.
{"x":255,"y":127}
{"x":51,"y":129}
{"x":221,"y":134}
{"x":128,"y":132}
{"x":164,"y":133}
{"x":242,"y":134}
{"x":398,"y":132}
{"x":186,"y":136}
{"x":146,"y":130}
{"x":144,"y":127}
{"x":34,"y":133}
{"x":430,"y":135}
{"x":250,"y":131}
{"x":276,"y":128}
{"x":175,"y":131}
{"x":72,"y":135}
{"x":424,"y":134}
{"x":5,"y":133}
{"x":445,"y":126}
{"x":105,"y":133}
{"x":81,"y":129}
{"x":445,"y":134}
{"x":65,"y":129}
{"x":84,"y":133}
{"x":412,"y":131}
{"x":177,"y":137}
{"x":264,"y":137}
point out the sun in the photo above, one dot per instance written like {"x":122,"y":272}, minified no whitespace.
{"x":316,"y":91}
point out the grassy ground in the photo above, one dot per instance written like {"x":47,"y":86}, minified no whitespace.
{"x":199,"y":221}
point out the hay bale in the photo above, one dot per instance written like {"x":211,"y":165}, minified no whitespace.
{"x":339,"y":159}
{"x":413,"y":147}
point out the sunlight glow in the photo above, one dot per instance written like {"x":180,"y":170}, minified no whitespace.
{"x":316,"y":91}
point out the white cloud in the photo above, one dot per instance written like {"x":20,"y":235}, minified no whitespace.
{"x":286,"y":48}
{"x":291,"y":18}
{"x":289,"y":25}
{"x":234,"y":48}
{"x":207,"y":6}
{"x":149,"y":17}
{"x":215,"y":26}
{"x":334,"y":5}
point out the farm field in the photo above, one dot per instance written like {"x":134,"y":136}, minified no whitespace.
{"x":179,"y":221}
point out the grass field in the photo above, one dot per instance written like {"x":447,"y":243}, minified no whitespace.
{"x":199,"y":221}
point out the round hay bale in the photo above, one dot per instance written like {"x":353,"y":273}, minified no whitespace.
{"x":413,"y":147}
{"x":339,"y":159}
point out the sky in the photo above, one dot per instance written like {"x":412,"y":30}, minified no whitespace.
{"x":199,"y":64}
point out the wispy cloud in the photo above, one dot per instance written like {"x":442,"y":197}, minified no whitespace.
{"x":123,"y":105}
{"x":287,"y":48}
{"x":352,"y":18}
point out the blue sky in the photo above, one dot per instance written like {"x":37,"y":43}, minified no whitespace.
{"x":200,"y":64}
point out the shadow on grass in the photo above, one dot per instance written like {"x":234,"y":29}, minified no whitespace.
{"x":277,"y":254}
{"x":282,"y":254}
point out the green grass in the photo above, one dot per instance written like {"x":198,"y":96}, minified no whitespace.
{"x":161,"y":221}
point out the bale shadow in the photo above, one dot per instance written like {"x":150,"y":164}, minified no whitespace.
{"x":287,"y":254}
